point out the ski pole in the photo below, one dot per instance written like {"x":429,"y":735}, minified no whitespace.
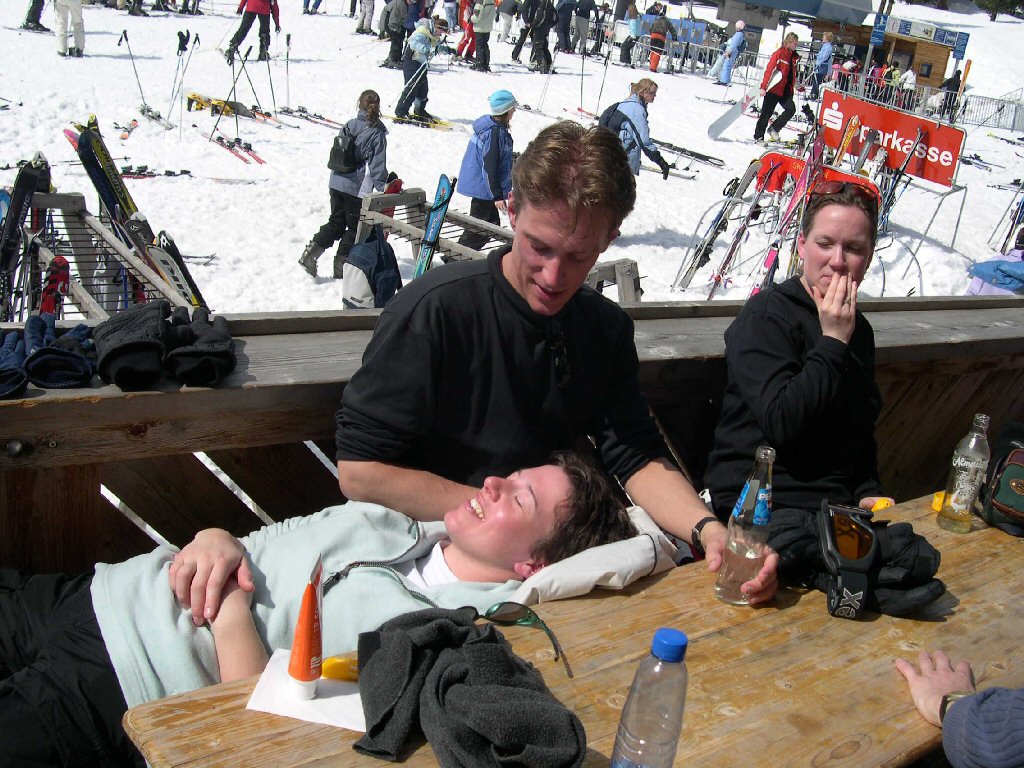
{"x":124,"y":37}
{"x":251,"y":86}
{"x":184,"y":72}
{"x":183,"y":38}
{"x":230,"y":94}
{"x":287,"y":76}
{"x":600,"y":92}
{"x":270,"y":79}
{"x":17,"y":104}
{"x":547,"y":81}
{"x":583,"y":60}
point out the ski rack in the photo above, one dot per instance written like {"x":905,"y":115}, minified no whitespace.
{"x":107,"y":275}
{"x":404,"y":214}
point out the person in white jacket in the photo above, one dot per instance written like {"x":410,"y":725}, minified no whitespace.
{"x":908,"y":86}
{"x":64,"y":8}
{"x":484,"y":14}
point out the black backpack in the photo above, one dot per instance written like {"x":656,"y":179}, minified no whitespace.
{"x":344,"y":157}
{"x":612,"y":118}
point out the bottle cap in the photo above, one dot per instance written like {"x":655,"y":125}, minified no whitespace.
{"x":301,"y":690}
{"x":669,"y":644}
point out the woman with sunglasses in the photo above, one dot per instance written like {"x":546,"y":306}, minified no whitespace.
{"x":801,"y":361}
{"x":76,"y":651}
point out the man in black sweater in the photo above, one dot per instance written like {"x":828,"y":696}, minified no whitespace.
{"x":481,"y":368}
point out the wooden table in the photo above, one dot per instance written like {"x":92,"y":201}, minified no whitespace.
{"x":785,"y":685}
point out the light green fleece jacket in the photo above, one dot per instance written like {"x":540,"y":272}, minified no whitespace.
{"x":157,"y":651}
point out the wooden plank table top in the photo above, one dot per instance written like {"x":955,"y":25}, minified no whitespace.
{"x":784,"y":685}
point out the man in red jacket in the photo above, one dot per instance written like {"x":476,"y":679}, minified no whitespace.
{"x":778,"y":90}
{"x":254,"y":8}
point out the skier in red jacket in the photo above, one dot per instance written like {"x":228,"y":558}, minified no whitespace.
{"x":254,"y":8}
{"x":783,"y":61}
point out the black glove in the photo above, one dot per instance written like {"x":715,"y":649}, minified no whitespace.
{"x":131,"y":345}
{"x":53,"y":363}
{"x":901,"y":579}
{"x":664,"y":165}
{"x":13,"y":380}
{"x":207,"y":353}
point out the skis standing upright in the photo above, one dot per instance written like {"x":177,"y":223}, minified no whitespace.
{"x":734,"y":192}
{"x":804,"y":184}
{"x":432,"y":226}
{"x":891,"y":187}
{"x":719,"y":277}
{"x":26,"y":184}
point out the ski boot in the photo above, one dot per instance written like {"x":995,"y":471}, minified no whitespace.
{"x":264,"y":56}
{"x":229,"y":54}
{"x":419,"y":111}
{"x":309,"y":257}
{"x":136,"y":9}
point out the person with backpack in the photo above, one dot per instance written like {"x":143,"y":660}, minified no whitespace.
{"x":628,"y":120}
{"x":423,"y":43}
{"x":262,"y":9}
{"x":486,"y":172}
{"x":635,"y":30}
{"x":737,"y":45}
{"x":369,"y":146}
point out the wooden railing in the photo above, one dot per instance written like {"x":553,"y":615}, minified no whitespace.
{"x":938,"y":362}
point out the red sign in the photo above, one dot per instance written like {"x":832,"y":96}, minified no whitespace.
{"x":936,"y":156}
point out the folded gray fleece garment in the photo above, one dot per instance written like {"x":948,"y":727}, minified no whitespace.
{"x":476,"y":701}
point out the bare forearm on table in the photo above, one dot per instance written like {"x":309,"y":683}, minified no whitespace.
{"x":413,"y":492}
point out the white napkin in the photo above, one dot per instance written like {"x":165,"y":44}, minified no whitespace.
{"x":336,"y":702}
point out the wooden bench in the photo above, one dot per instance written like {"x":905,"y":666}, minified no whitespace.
{"x":938,"y":361}
{"x":781,"y":685}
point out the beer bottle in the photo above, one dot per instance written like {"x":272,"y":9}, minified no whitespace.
{"x":966,"y":474}
{"x":748,"y":531}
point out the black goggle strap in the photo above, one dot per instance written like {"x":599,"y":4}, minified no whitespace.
{"x":848,"y":580}
{"x":847,"y":592}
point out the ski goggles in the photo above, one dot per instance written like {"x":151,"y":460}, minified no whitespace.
{"x":849,"y":547}
{"x":510,"y":614}
{"x":825,"y":188}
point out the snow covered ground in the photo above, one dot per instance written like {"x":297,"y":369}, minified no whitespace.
{"x":254,"y":233}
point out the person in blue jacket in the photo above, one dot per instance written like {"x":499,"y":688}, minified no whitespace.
{"x":979,"y":729}
{"x":737,"y":45}
{"x":371,"y":149}
{"x":634,"y":132}
{"x":486,"y":173}
{"x":822,"y":64}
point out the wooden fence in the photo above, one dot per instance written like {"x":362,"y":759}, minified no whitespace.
{"x":175,"y":456}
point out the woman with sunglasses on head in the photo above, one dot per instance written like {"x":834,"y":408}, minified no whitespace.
{"x":76,"y":651}
{"x":801,"y":361}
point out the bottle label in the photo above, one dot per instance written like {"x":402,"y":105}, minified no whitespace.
{"x":763,"y":508}
{"x":738,"y":508}
{"x":968,"y":475}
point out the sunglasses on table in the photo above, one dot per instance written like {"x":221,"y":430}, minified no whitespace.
{"x":849,"y":547}
{"x":510,"y":614}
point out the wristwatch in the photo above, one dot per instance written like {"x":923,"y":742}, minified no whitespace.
{"x":948,"y":699}
{"x":695,"y":542}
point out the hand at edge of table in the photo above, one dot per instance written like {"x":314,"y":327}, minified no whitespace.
{"x":201,"y":569}
{"x":937,"y":677}
{"x":761,"y":588}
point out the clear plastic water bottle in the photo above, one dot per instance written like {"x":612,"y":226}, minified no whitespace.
{"x":653,"y":716}
{"x":745,"y":547}
{"x":966,"y":474}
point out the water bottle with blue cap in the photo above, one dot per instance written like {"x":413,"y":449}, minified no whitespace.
{"x":652,"y":719}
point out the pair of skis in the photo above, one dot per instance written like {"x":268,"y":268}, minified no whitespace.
{"x":241,"y":149}
{"x":30,"y":178}
{"x":310,"y":117}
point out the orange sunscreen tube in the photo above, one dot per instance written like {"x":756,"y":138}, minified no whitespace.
{"x":307,"y":650}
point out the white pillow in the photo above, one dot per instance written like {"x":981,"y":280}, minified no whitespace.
{"x":611,"y":566}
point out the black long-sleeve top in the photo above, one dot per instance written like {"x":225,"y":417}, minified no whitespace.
{"x":809,"y":396}
{"x":464,"y":380}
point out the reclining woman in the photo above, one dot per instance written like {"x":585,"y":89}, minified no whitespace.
{"x":801,"y":378}
{"x":75,"y":652}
